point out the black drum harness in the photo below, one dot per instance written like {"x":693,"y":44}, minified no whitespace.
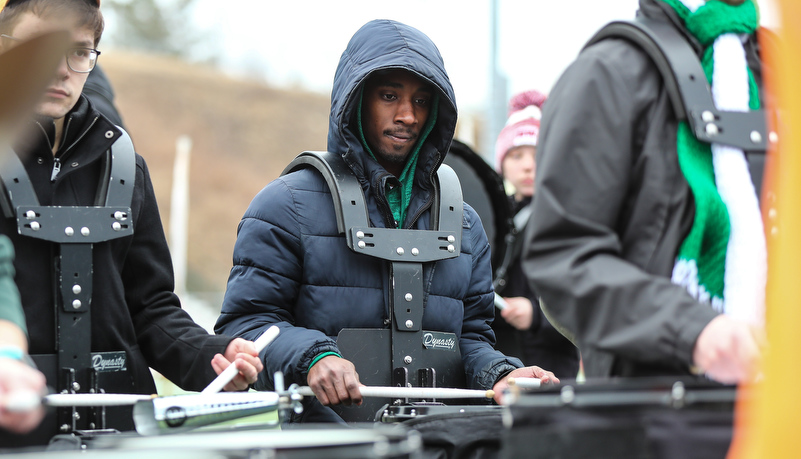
{"x":75,"y":229}
{"x":434,"y":355}
{"x":689,"y":91}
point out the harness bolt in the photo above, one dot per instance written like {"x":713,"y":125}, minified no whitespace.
{"x":76,"y":304}
{"x":773,"y":137}
{"x":76,"y":289}
{"x":35,"y":226}
{"x":712,"y":129}
{"x":707,"y":116}
{"x":116,"y":226}
{"x":409,"y":324}
{"x":360,"y":234}
{"x":400,"y":250}
{"x":407,"y":360}
{"x":408,"y":297}
{"x":451,"y":239}
{"x":451,"y":249}
{"x":361,"y":244}
{"x":119,"y":215}
{"x":85,"y":231}
{"x":76,"y":386}
{"x":756,"y":137}
{"x":30,"y":215}
{"x":69,"y":231}
{"x":415,"y":252}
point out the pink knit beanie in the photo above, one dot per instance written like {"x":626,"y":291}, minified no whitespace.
{"x":522,"y":126}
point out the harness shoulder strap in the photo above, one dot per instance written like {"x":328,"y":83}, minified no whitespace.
{"x":352,"y":218}
{"x":687,"y":85}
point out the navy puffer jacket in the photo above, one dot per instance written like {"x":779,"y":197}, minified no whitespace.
{"x":293,"y":269}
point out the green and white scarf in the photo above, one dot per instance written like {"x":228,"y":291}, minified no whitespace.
{"x":723,"y":260}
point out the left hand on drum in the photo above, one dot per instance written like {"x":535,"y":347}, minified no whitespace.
{"x":334,"y":381}
{"x":545,"y":377}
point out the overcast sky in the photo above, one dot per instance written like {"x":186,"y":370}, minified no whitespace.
{"x":301,"y":41}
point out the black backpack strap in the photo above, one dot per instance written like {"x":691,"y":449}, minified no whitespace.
{"x":687,"y":85}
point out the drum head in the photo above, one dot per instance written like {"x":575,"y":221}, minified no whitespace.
{"x":483,"y":189}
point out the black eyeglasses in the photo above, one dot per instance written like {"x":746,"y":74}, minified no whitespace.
{"x":79,"y":60}
{"x":95,"y":3}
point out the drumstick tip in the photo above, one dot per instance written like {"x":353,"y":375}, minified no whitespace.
{"x":490,"y":394}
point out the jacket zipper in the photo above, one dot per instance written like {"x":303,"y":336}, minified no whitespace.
{"x":427,"y":204}
{"x":386,"y":211}
{"x":57,"y":159}
{"x":56,"y":169}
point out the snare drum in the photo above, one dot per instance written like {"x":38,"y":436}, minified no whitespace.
{"x":626,"y":418}
{"x":305,"y":441}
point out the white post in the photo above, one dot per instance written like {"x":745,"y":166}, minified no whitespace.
{"x":179,"y":212}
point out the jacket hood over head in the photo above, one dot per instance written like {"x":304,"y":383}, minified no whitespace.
{"x":381,"y":45}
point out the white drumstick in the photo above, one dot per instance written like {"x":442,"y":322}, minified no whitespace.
{"x":412,"y":392}
{"x":525,"y":383}
{"x":231,"y":371}
{"x":500,"y":303}
{"x":94,"y":399}
{"x":25,"y":400}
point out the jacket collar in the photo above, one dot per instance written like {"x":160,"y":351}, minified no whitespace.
{"x":87,"y":134}
{"x":657,"y":9}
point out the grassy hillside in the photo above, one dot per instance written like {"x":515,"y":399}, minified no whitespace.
{"x":244,"y":133}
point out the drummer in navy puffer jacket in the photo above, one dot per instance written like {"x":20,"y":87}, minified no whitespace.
{"x":393,"y":116}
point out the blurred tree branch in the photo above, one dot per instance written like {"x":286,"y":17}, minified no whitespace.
{"x":161,"y":26}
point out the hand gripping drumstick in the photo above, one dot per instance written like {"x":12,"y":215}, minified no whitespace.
{"x":412,"y":392}
{"x":230,"y":372}
{"x":25,"y":400}
{"x":525,"y":383}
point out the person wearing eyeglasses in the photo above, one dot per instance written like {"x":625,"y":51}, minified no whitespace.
{"x":136,"y":318}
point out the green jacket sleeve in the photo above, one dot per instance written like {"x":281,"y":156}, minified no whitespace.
{"x":10,"y":304}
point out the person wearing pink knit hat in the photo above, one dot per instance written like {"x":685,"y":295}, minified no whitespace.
{"x":521,"y":329}
{"x":517,"y":142}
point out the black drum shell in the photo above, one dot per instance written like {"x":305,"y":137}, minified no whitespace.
{"x":483,"y":190}
{"x":629,"y":418}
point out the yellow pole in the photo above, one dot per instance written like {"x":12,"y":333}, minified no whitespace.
{"x":767,"y":425}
